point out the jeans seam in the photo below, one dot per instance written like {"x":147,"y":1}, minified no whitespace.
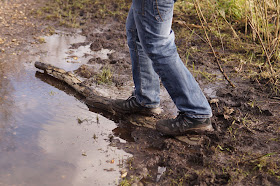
{"x":158,"y":11}
{"x":138,"y":65}
{"x":143,"y":7}
{"x":132,"y":31}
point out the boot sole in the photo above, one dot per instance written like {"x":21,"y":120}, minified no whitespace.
{"x":198,"y":129}
{"x":202,"y":128}
{"x":152,"y":112}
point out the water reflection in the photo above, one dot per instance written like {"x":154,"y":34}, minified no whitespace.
{"x":48,"y":137}
{"x":57,"y":51}
{"x":6,"y":102}
{"x":6,"y":108}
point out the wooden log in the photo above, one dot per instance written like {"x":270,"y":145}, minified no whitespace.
{"x":94,"y":100}
{"x":67,"y":77}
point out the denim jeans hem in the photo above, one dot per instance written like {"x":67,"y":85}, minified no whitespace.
{"x":147,"y":106}
{"x":198,"y":116}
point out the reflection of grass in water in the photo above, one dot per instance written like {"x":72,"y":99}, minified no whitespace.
{"x":74,"y":13}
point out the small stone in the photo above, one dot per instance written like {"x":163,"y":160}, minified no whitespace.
{"x":214,"y":101}
{"x":228,"y":111}
{"x":41,"y":40}
{"x":1,"y":41}
{"x":124,"y":175}
{"x":85,"y":71}
{"x":137,"y":184}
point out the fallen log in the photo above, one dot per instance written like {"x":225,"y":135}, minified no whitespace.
{"x":95,"y":101}
{"x":93,"y":98}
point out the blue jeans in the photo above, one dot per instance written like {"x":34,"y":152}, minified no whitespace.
{"x":154,"y":57}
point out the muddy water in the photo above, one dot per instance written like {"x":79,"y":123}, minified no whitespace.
{"x":48,"y":136}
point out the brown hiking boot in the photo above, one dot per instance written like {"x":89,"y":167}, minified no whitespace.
{"x":131,"y":106}
{"x":181,"y":124}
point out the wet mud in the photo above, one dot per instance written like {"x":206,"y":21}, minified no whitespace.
{"x":46,"y":126}
{"x":48,"y":136}
{"x":243,"y":149}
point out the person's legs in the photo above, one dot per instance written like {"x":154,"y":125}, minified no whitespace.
{"x":145,"y":99}
{"x":153,"y":20}
{"x":152,"y":48}
{"x":146,"y":80}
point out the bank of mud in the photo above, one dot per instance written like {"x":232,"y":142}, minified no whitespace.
{"x":244,"y":147}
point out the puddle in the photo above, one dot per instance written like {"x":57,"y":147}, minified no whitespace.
{"x":57,"y":51}
{"x":47,"y":136}
{"x":210,"y":92}
{"x":210,"y":89}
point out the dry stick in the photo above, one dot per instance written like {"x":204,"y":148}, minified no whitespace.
{"x":219,"y":33}
{"x":196,"y":34}
{"x":275,"y":47}
{"x":266,"y":24}
{"x":262,"y":156}
{"x":252,"y":11}
{"x":266,"y":34}
{"x":246,"y":20}
{"x":187,"y":26}
{"x":199,"y":13}
{"x":232,"y":29}
{"x":277,"y":34}
{"x":277,"y":19}
{"x":264,"y":48}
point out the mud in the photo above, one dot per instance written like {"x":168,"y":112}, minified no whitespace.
{"x":242,"y":150}
{"x":48,"y":136}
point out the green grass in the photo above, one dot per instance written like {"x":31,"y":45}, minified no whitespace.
{"x":250,"y":30}
{"x":75,"y":13}
{"x":252,"y":23}
{"x":105,"y":77}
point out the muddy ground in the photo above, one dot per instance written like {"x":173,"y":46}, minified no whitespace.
{"x":243,"y":149}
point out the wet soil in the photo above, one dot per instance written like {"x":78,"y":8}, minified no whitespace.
{"x":47,"y":135}
{"x":244,"y":147}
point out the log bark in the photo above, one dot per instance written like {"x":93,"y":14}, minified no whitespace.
{"x":97,"y":102}
{"x":93,"y":98}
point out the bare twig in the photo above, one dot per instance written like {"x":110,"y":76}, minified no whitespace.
{"x":277,"y":18}
{"x":232,"y":29}
{"x":219,"y":32}
{"x":262,"y":156}
{"x":200,"y":15}
{"x":263,"y":46}
{"x":188,"y":26}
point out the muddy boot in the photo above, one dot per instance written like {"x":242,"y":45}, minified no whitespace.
{"x":181,"y":124}
{"x":131,"y":106}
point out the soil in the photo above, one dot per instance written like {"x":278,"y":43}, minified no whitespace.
{"x":242,"y":150}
